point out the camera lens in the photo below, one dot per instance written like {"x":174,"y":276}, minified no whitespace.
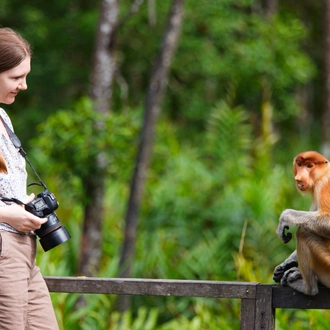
{"x":54,"y":238}
{"x":52,"y":233}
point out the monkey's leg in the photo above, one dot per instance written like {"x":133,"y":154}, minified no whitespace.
{"x":305,"y":285}
{"x":290,"y":262}
{"x":306,"y":245}
{"x":293,"y":278}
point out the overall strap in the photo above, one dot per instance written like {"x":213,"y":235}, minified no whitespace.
{"x":14,"y":138}
{"x":17,"y":143}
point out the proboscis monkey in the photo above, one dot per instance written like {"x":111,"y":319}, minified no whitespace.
{"x":312,"y":175}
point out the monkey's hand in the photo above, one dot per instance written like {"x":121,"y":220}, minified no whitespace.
{"x":282,"y":268}
{"x":282,"y":226}
{"x":291,"y":275}
{"x":290,"y":262}
{"x":285,"y":237}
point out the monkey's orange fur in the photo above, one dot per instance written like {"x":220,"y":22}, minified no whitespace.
{"x":312,"y":175}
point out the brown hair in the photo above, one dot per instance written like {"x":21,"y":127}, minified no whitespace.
{"x":13,"y":49}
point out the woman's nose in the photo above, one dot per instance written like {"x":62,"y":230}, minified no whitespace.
{"x":23,"y":85}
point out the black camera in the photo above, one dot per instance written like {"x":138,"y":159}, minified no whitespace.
{"x":51,"y":233}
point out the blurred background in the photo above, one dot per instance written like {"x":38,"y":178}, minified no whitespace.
{"x":171,"y":160}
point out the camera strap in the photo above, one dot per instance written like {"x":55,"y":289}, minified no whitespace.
{"x":12,"y":200}
{"x":17,"y":143}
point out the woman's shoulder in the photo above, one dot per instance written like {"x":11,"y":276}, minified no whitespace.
{"x":6,"y":118}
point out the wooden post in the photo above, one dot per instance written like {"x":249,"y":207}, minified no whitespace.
{"x":248,"y":312}
{"x":265,"y":313}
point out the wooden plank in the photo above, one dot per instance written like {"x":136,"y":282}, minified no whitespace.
{"x":265,"y":313}
{"x":248,"y":311}
{"x":257,"y":306}
{"x":286,"y":297}
{"x":215,"y":289}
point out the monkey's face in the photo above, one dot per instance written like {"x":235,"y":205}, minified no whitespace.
{"x":302,"y":177}
{"x":308,"y":168}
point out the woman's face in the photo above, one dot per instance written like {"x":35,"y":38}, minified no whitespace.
{"x":14,"y":80}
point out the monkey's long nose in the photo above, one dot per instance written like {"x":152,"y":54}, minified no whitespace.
{"x":301,"y":175}
{"x":297,"y":177}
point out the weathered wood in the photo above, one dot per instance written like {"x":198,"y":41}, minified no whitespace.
{"x":248,"y":311}
{"x":258,"y":301}
{"x":286,"y":297}
{"x":182,"y":288}
{"x":265,"y":312}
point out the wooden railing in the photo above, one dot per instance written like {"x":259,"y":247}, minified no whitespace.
{"x":258,"y":301}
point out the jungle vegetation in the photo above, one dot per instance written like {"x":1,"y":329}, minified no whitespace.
{"x":245,"y":92}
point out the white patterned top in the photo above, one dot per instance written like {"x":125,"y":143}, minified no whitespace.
{"x":13,"y":183}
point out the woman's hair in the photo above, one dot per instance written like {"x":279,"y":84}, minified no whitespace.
{"x":13,"y":49}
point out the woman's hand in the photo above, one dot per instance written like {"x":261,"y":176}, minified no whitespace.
{"x":22,"y":220}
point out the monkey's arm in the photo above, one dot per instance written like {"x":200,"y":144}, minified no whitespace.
{"x":295,"y":218}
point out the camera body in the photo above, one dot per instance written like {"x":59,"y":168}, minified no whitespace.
{"x":45,"y":203}
{"x":51,"y":233}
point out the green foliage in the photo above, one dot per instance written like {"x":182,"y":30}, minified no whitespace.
{"x":229,"y":48}
{"x":225,"y":47}
{"x":62,"y":37}
{"x":302,"y":319}
{"x":217,"y":182}
{"x":205,"y":318}
{"x":229,"y":143}
{"x":210,"y":212}
{"x":145,"y":319}
{"x":71,"y":142}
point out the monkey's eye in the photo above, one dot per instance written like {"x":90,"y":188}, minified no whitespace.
{"x":309,"y":165}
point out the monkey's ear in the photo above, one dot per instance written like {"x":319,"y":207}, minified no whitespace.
{"x":3,"y":166}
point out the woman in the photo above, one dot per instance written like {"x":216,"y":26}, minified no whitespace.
{"x":24,"y":298}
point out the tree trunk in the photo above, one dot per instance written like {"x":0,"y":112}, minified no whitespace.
{"x":270,"y":7}
{"x":155,"y":93}
{"x":268,"y":137}
{"x":90,"y":247}
{"x":104,"y":63}
{"x":103,"y":71}
{"x":326,"y":91}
